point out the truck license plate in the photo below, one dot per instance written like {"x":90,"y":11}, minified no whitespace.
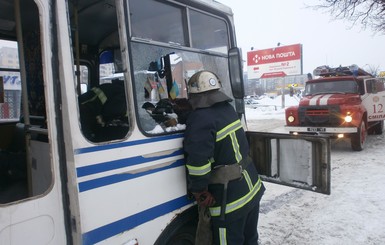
{"x":316,"y":129}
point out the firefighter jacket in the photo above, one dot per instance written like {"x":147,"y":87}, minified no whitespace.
{"x":107,"y":100}
{"x":214,"y":137}
{"x":102,"y":106}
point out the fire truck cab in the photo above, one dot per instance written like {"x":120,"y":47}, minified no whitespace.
{"x":340,"y":102}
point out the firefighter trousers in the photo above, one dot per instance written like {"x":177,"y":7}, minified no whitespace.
{"x":240,"y":231}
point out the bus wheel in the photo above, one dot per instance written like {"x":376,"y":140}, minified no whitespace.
{"x":359,"y":138}
{"x":182,"y":229}
{"x":184,"y":236}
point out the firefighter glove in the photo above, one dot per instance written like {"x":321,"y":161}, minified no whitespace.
{"x":204,"y":198}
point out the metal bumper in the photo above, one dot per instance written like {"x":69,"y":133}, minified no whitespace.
{"x":322,"y":130}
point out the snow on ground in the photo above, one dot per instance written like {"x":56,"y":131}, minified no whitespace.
{"x":268,"y":115}
{"x":354,"y":213}
{"x":268,"y":108}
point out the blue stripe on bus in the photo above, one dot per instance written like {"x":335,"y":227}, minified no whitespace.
{"x":112,"y":179}
{"x":112,"y":229}
{"x":121,"y":163}
{"x":125,"y":144}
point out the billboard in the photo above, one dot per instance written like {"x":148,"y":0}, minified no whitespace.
{"x":275,"y":62}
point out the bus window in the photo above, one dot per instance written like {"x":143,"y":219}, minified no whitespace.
{"x":25,"y":163}
{"x":163,"y":95}
{"x":12,"y":163}
{"x":84,"y":78}
{"x":148,"y":18}
{"x":160,"y":83}
{"x":10,"y":82}
{"x":160,"y":71}
{"x":103,"y":110}
{"x":212,"y":37}
{"x":110,"y":66}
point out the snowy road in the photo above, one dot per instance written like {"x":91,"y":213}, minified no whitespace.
{"x":266,"y":125}
{"x":354,"y":213}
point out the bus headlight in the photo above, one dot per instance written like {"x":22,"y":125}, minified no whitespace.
{"x":348,"y":118}
{"x":291,"y":119}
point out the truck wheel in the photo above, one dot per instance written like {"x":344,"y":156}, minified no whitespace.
{"x":379,"y":128}
{"x":358,"y":139}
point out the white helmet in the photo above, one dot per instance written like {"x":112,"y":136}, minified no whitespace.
{"x":203,"y":81}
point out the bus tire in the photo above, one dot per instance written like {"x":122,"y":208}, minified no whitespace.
{"x":182,"y":229}
{"x":184,"y":236}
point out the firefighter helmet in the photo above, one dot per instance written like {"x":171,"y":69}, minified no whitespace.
{"x":203,"y":81}
{"x":204,"y":90}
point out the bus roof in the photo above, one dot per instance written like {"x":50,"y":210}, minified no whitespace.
{"x":85,"y":8}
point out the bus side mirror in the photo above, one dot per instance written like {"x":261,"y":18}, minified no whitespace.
{"x":236,"y":73}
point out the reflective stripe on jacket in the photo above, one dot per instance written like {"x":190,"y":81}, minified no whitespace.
{"x":214,"y":136}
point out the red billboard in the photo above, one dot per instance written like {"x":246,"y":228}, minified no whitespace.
{"x":275,"y":62}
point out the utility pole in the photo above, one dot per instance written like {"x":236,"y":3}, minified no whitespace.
{"x":283,"y":92}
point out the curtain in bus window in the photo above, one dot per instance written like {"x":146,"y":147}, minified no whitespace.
{"x":157,"y":21}
{"x":35,"y":82}
{"x":208,"y":32}
{"x":1,"y":90}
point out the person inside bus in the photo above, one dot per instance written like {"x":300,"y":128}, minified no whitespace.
{"x":103,"y":112}
{"x":221,"y":176}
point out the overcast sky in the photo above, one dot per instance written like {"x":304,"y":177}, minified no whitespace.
{"x":326,"y":41}
{"x":262,"y":24}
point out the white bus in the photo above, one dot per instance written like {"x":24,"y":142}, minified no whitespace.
{"x":70,"y":177}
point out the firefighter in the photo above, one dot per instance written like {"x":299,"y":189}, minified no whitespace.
{"x":103,"y":112}
{"x":221,"y":176}
{"x":292,"y":90}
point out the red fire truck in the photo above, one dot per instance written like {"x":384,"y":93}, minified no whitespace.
{"x":340,"y":102}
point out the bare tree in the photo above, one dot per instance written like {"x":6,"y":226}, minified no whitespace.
{"x":368,"y":13}
{"x":374,"y":70}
